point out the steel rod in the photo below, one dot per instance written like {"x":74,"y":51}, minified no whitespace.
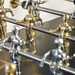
{"x":51,"y":11}
{"x":18,"y":3}
{"x":67,"y":69}
{"x":39,"y":59}
{"x":54,"y":34}
{"x":56,"y":12}
{"x":40,"y":29}
{"x":13,"y":21}
{"x":60,"y":13}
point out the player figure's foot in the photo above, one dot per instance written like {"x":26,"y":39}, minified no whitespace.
{"x":34,"y":52}
{"x":26,"y":49}
{"x":67,"y":64}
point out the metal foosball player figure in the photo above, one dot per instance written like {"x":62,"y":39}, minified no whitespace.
{"x":29,"y":32}
{"x":57,"y":56}
{"x":64,"y":30}
{"x":3,"y":24}
{"x":16,"y":42}
{"x":10,"y":69}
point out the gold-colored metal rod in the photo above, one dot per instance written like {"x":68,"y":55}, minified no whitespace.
{"x":37,"y":28}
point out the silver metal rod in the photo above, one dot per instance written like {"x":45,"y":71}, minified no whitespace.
{"x":48,"y":32}
{"x":18,"y":3}
{"x":67,"y":69}
{"x":52,"y":11}
{"x":47,"y":62}
{"x":43,"y":30}
{"x":39,"y":59}
{"x":56,"y":12}
{"x":40,"y":29}
{"x":33,"y":57}
{"x":13,"y":21}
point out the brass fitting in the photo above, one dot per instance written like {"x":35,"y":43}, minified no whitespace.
{"x":13,"y":3}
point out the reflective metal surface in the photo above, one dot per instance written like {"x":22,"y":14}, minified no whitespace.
{"x":35,"y":4}
{"x":30,"y":33}
{"x":40,"y":29}
{"x":13,"y":4}
{"x":44,"y":43}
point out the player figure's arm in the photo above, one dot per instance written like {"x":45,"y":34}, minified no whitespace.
{"x":27,"y":42}
{"x":9,"y":10}
{"x":44,"y":58}
{"x":73,"y":27}
{"x":38,"y":18}
{"x":21,"y":21}
{"x":7,"y":40}
{"x":55,"y":30}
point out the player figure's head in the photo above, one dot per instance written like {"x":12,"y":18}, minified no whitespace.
{"x":59,"y":42}
{"x":1,"y":2}
{"x":30,"y":10}
{"x":66,"y":18}
{"x":15,"y":30}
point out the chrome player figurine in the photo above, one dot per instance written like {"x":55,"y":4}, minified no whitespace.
{"x":10,"y":69}
{"x":57,"y":56}
{"x":64,"y":30}
{"x":16,"y":43}
{"x":3,"y":24}
{"x":29,"y":32}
